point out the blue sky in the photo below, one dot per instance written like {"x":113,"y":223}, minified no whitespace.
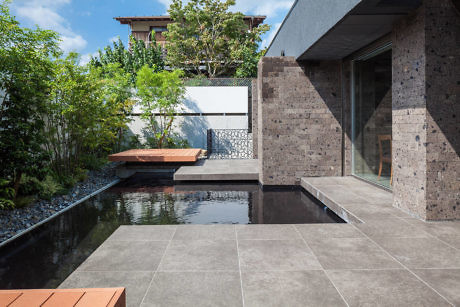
{"x":88,"y":25}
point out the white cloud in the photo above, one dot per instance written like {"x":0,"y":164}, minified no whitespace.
{"x":269,"y":8}
{"x":44,"y":14}
{"x":84,"y":59}
{"x":257,"y":7}
{"x":72,"y":43}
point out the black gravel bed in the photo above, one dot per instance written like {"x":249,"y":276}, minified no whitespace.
{"x":15,"y":221}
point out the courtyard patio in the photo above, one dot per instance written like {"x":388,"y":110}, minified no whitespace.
{"x":383,"y":257}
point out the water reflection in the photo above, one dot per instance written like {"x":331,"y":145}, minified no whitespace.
{"x":46,"y":256}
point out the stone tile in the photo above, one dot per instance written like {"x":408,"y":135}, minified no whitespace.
{"x":453,"y":241}
{"x":143,"y":233}
{"x":445,"y":228}
{"x":276,"y":255}
{"x":371,"y":211}
{"x":342,"y":195}
{"x":266,"y":232}
{"x":323,"y":231}
{"x":194,"y":289}
{"x":205,"y":232}
{"x":351,"y":253}
{"x":445,"y":281}
{"x":297,"y":288}
{"x":421,"y":252}
{"x":136,"y":283}
{"x":126,"y":256}
{"x":391,"y":228}
{"x":200,"y":255}
{"x":384,"y":288}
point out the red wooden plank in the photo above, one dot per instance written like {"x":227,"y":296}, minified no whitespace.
{"x":96,"y":298}
{"x":157,"y":155}
{"x":64,"y":299}
{"x":8,"y":298}
{"x":31,"y":299}
{"x":119,"y":299}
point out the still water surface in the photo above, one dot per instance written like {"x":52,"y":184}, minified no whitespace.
{"x":47,"y":255}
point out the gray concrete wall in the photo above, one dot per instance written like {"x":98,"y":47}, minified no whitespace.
{"x":299,"y":120}
{"x":426,"y":112}
{"x":307,"y":22}
{"x":255,"y":116}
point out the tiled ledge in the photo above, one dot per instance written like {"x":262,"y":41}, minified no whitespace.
{"x":353,"y":200}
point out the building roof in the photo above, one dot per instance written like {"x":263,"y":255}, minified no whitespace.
{"x":331,"y":30}
{"x":257,"y":20}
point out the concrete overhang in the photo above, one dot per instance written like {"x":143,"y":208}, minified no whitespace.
{"x":333,"y":29}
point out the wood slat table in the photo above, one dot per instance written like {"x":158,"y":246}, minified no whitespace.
{"x":157,"y":155}
{"x":97,"y":297}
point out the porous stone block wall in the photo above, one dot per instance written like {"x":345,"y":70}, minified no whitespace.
{"x":255,"y":125}
{"x":426,"y":112}
{"x":299,"y":131}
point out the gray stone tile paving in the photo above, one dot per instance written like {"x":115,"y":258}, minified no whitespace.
{"x":389,"y":259}
{"x":219,"y":170}
{"x":384,"y":288}
{"x":445,"y":281}
{"x":293,"y":288}
{"x":194,"y":289}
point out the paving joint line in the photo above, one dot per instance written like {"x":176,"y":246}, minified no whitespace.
{"x":239,"y":264}
{"x":407,"y":268}
{"x":325,"y":272}
{"x":158,"y":267}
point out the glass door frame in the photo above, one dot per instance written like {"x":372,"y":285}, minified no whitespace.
{"x":368,"y":55}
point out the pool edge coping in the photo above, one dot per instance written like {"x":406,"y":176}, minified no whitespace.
{"x":51,"y":217}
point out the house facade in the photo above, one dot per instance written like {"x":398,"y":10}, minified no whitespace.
{"x":142,"y":26}
{"x":365,"y":88}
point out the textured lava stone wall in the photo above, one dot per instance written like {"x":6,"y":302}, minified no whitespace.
{"x":255,"y":116}
{"x":299,"y":120}
{"x":426,"y":112}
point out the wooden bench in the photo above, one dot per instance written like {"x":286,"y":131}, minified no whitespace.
{"x":97,"y":297}
{"x":157,"y":155}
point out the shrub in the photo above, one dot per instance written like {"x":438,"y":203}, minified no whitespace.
{"x":6,"y":195}
{"x":44,"y":189}
{"x":50,"y":187}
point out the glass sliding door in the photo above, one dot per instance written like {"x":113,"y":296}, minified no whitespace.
{"x":372,"y":106}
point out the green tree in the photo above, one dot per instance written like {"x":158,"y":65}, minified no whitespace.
{"x":26,"y":71}
{"x":206,"y":36}
{"x":85,"y":113}
{"x":117,"y":93}
{"x":132,"y":59}
{"x":161,"y":95}
{"x":248,"y":67}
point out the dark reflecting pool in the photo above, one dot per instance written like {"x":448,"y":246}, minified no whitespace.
{"x":44,"y":257}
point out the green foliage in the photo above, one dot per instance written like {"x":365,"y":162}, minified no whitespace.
{"x":25,"y":75}
{"x":251,"y":57}
{"x":206,"y":34}
{"x":161,"y":95}
{"x":130,"y":60}
{"x":86,"y":112}
{"x":44,"y":189}
{"x":7,"y":195}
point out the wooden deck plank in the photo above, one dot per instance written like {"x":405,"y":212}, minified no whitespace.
{"x":64,"y":299}
{"x":96,"y":298}
{"x":31,"y":299}
{"x":8,"y":298}
{"x":157,"y":155}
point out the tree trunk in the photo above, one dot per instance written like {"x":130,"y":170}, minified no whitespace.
{"x":17,"y":183}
